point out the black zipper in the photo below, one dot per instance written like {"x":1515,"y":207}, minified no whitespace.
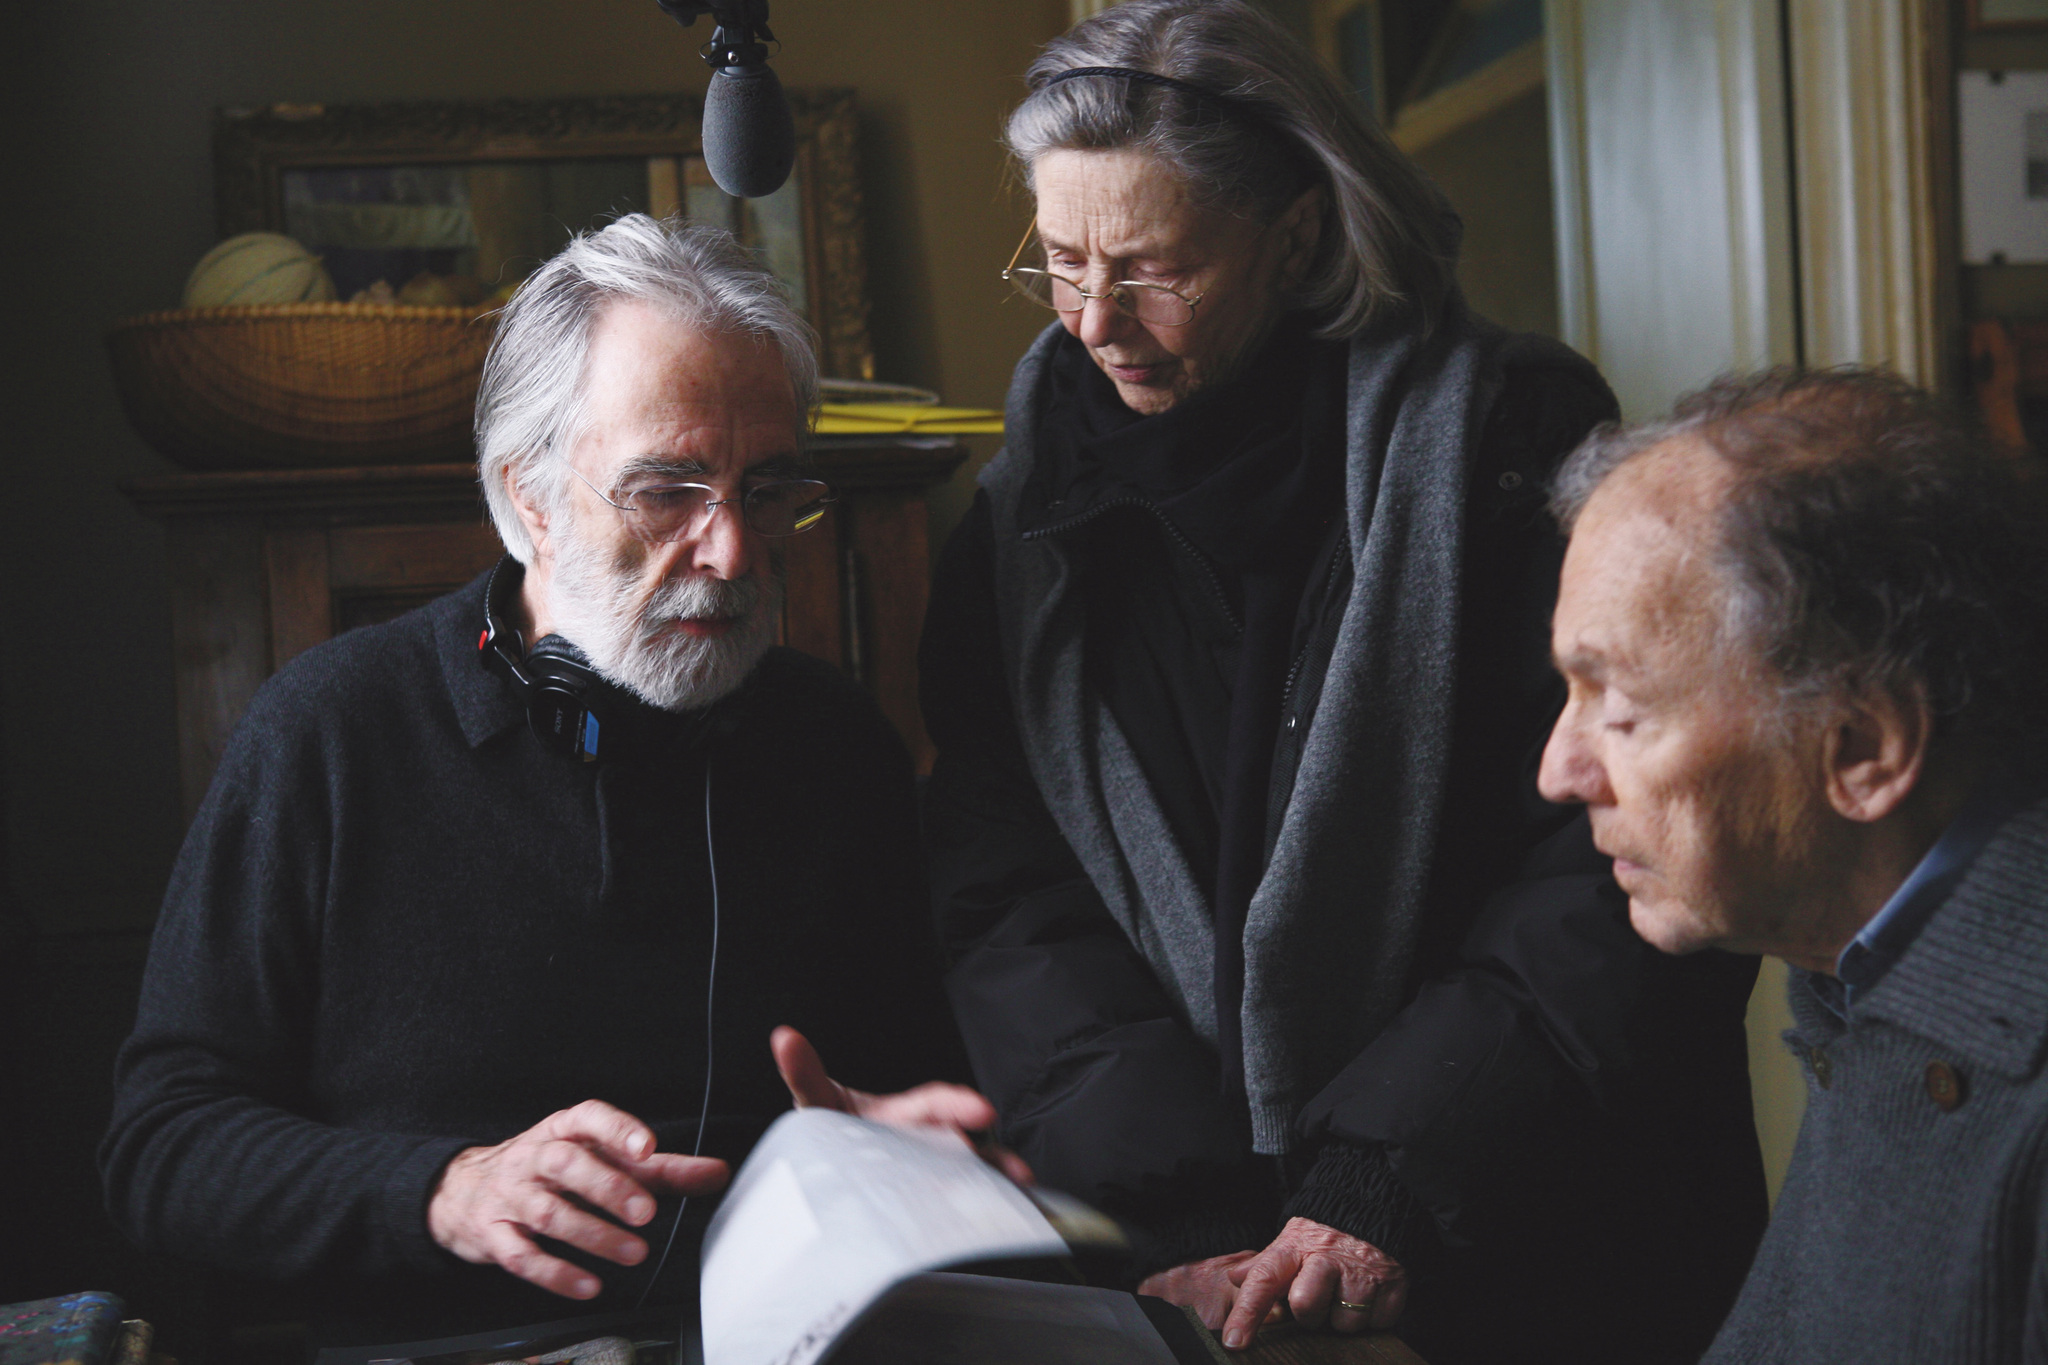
{"x":1178,"y":536}
{"x":1309,"y":645}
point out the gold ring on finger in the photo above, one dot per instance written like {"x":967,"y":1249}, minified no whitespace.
{"x":1354,"y":1307}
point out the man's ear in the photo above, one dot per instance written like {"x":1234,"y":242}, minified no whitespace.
{"x":1876,"y":752}
{"x":532,"y":515}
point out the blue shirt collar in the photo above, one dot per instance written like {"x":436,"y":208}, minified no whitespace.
{"x":1892,"y":930}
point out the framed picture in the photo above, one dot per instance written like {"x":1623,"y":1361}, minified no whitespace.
{"x":1995,"y":15}
{"x":1380,"y":48}
{"x":470,"y":198}
{"x":2003,"y":128}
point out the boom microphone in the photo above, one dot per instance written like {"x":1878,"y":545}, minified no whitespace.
{"x":749,"y":136}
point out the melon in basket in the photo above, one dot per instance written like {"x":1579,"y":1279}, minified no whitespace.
{"x":258,"y":268}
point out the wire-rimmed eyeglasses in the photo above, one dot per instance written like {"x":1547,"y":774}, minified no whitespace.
{"x":1154,"y":303}
{"x":659,"y":511}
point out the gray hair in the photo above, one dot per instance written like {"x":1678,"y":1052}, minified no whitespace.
{"x":529,"y":406}
{"x":1869,"y":541}
{"x":1389,"y":239}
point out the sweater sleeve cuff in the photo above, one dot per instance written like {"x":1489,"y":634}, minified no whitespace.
{"x":1352,"y":1188}
{"x":408,"y":1187}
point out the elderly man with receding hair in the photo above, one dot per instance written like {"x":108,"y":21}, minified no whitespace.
{"x":489,"y":912}
{"x":1804,"y":623}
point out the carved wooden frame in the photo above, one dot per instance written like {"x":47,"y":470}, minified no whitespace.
{"x":253,"y":147}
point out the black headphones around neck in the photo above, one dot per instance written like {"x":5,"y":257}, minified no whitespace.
{"x":571,"y":710}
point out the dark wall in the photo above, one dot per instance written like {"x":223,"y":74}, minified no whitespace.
{"x":1496,"y":173}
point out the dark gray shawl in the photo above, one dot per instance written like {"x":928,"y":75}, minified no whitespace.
{"x":1330,"y":938}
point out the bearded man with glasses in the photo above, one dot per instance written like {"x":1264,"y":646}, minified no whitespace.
{"x":432,"y":998}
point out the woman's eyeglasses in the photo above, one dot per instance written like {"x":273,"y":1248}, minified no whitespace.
{"x":1153,"y":303}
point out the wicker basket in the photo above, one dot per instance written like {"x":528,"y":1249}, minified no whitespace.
{"x":304,"y":384}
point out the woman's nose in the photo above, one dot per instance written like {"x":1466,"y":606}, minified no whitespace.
{"x":1102,"y":322}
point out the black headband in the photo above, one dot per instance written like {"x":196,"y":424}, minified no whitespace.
{"x":1131,"y":73}
{"x":1245,"y":112}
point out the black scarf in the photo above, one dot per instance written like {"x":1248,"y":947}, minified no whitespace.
{"x":1249,"y":474}
{"x":1230,"y":466}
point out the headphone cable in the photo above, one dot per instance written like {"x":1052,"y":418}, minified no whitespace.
{"x":710,"y":1014}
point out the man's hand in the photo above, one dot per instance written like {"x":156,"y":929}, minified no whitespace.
{"x":493,"y":1201}
{"x":1204,"y":1286}
{"x":934,"y":1104}
{"x":1312,"y":1267}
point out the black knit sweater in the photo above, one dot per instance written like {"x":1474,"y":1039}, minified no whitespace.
{"x":399,"y":928}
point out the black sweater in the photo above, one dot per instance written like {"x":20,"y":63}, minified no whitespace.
{"x":399,"y":928}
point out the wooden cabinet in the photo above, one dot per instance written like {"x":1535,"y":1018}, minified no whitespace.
{"x":265,"y":564}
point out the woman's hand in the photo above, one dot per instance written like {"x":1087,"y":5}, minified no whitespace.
{"x":1204,"y":1286}
{"x":934,"y":1104}
{"x":1313,"y":1267}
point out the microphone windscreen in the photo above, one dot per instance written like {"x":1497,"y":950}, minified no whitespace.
{"x":749,"y":136}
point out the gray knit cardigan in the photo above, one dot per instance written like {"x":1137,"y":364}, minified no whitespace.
{"x":1911,"y":1226}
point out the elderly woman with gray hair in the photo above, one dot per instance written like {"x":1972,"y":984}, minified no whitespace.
{"x":1261,"y":937}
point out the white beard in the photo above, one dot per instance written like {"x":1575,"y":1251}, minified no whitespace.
{"x":639,"y":649}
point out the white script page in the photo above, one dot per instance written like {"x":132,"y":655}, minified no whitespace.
{"x":830,"y":1211}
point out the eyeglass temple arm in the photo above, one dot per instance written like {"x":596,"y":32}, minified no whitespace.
{"x":1022,"y":242}
{"x":623,"y":507}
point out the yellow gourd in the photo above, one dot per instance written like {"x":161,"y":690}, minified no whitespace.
{"x":258,"y":267}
